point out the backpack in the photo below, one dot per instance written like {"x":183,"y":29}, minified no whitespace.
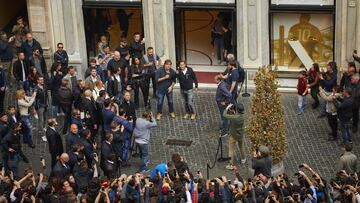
{"x":242,"y":75}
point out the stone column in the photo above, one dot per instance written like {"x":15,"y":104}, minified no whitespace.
{"x":159,"y":27}
{"x":40,"y":25}
{"x":68,"y":28}
{"x":253,"y":33}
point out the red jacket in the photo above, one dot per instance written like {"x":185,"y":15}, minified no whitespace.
{"x":301,"y":86}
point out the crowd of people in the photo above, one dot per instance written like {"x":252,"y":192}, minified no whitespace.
{"x":101,"y":127}
{"x":339,"y":102}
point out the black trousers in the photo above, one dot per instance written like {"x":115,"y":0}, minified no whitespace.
{"x":332,"y":120}
{"x":355,"y":117}
{"x":314,"y":95}
{"x":140,"y":84}
{"x":2,"y":98}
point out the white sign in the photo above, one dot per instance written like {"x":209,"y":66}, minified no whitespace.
{"x":303,"y":2}
{"x":207,"y":1}
{"x":301,"y":53}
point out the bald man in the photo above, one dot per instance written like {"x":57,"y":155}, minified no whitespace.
{"x":119,"y":63}
{"x":61,"y":168}
{"x":72,"y":137}
{"x":29,"y":45}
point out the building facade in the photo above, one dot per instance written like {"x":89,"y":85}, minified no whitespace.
{"x":289,"y":34}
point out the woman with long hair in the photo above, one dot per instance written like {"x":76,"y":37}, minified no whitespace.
{"x":138,"y":81}
{"x":24,"y":103}
{"x":313,"y":83}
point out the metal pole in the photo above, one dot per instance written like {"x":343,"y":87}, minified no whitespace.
{"x":246,"y":94}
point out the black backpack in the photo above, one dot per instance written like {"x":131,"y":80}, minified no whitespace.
{"x":242,"y":75}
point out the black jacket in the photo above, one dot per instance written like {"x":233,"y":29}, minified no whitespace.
{"x":60,"y":171}
{"x":41,"y":100}
{"x":6,"y":53}
{"x":262,"y":165}
{"x":42,"y":64}
{"x":54,"y":142}
{"x":106,"y":150}
{"x":114,"y":86}
{"x":136,"y":49}
{"x":90,"y":110}
{"x":188,"y":79}
{"x":110,"y":169}
{"x":11,"y":141}
{"x":65,"y":96}
{"x":129,"y":109}
{"x":70,"y":140}
{"x":344,"y":109}
{"x":88,"y":150}
{"x":4,"y":129}
{"x":17,"y":70}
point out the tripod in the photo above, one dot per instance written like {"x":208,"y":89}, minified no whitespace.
{"x":221,"y":158}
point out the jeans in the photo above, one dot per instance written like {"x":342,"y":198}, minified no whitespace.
{"x":188,"y":96}
{"x":24,"y":85}
{"x":125,"y":150}
{"x":345,"y":131}
{"x":54,"y":111}
{"x":219,"y":46}
{"x":225,"y":122}
{"x":144,"y":156}
{"x":232,"y":142}
{"x":27,"y":129}
{"x":13,"y":163}
{"x":42,"y":117}
{"x":160,"y":101}
{"x":301,"y":103}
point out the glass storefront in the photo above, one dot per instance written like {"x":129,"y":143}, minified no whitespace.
{"x":301,"y":36}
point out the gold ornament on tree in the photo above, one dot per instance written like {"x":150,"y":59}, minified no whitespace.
{"x":266,"y":125}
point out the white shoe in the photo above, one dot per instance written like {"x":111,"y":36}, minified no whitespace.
{"x":44,"y":129}
{"x":229,"y":167}
{"x":224,"y":135}
{"x":243,"y":161}
{"x":44,"y":138}
{"x":36,"y":116}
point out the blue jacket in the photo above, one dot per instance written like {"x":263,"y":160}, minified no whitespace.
{"x":63,"y":59}
{"x":108,"y":117}
{"x":162,"y":168}
{"x":127,"y":125}
{"x":165,"y":84}
{"x":222,"y":93}
{"x":27,"y":49}
{"x":99,"y":72}
{"x":6,"y":52}
{"x":70,"y":140}
{"x":329,"y":84}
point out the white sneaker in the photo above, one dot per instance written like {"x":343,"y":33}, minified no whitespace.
{"x":44,"y":138}
{"x":243,"y":161}
{"x":229,"y":167}
{"x":36,"y":116}
{"x":44,"y":129}
{"x":224,"y":135}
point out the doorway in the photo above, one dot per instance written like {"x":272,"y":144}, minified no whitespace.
{"x":196,"y":41}
{"x":114,"y":23}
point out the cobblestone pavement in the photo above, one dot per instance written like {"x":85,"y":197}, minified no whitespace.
{"x":306,"y":137}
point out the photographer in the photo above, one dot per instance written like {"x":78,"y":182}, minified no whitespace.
{"x":262,"y":162}
{"x":142,"y":137}
{"x":235,"y":116}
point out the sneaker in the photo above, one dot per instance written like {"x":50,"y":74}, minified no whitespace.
{"x":186,"y":116}
{"x":44,"y":138}
{"x":36,"y":116}
{"x":44,"y":129}
{"x":224,"y":135}
{"x":299,"y":113}
{"x":243,"y":161}
{"x":193,"y":116}
{"x":229,"y":167}
{"x":145,"y":171}
{"x":172,"y":115}
{"x":158,"y":116}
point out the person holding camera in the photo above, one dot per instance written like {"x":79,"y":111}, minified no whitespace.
{"x":236,"y":128}
{"x":142,"y":137}
{"x":345,"y":113}
{"x":262,"y":161}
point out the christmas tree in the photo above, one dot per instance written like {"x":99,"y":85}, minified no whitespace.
{"x":266,"y":125}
